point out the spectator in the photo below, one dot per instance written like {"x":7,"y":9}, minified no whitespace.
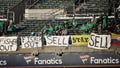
{"x":104,"y":22}
{"x":45,"y":28}
{"x":11,"y":28}
{"x":1,"y":28}
{"x":34,"y":34}
{"x":66,"y":25}
{"x":39,"y":33}
{"x":48,"y":29}
{"x":74,"y":24}
{"x":58,"y":31}
{"x":117,"y":29}
{"x":46,"y":34}
{"x":83,"y":28}
{"x":64,"y":31}
{"x":90,"y":24}
{"x":99,"y":28}
{"x":109,"y":28}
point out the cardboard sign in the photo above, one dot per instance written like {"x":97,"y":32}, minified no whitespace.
{"x":99,"y":41}
{"x":31,"y":42}
{"x":57,"y":40}
{"x":80,"y":39}
{"x":8,"y":43}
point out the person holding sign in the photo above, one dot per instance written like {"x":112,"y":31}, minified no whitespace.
{"x":117,"y":29}
{"x":1,"y":28}
{"x":11,"y":28}
{"x":83,"y":28}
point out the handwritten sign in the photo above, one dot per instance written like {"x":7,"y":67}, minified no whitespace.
{"x":8,"y":43}
{"x":99,"y":41}
{"x":57,"y":40}
{"x":80,"y":39}
{"x":31,"y":42}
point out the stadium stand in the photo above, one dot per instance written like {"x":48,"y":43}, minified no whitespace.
{"x":6,"y":5}
{"x":42,"y":32}
{"x":47,"y":4}
{"x":75,"y":24}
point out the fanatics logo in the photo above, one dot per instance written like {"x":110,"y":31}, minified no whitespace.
{"x":84,"y":58}
{"x":28,"y":59}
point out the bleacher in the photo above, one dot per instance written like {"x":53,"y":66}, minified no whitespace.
{"x":94,"y":6}
{"x":50,"y":4}
{"x":7,"y":4}
{"x":31,"y":26}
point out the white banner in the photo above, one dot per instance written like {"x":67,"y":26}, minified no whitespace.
{"x":57,"y":40}
{"x":99,"y":41}
{"x":8,"y":43}
{"x":31,"y":42}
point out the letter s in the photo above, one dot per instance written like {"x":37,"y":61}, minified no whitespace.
{"x":91,"y":43}
{"x":5,"y":62}
{"x":117,"y":61}
{"x":49,"y":38}
{"x":60,"y":61}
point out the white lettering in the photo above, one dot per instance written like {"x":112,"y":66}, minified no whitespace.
{"x":110,"y":60}
{"x":3,"y":62}
{"x":47,"y":61}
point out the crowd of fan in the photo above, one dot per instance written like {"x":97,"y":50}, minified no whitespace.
{"x":74,"y":27}
{"x":99,"y":26}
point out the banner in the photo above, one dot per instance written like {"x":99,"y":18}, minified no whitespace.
{"x":67,"y":59}
{"x":8,"y":43}
{"x":99,"y":41}
{"x":80,"y":39}
{"x":31,"y":42}
{"x":57,"y":40}
{"x":116,"y":39}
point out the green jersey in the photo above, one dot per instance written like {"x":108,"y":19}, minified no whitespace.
{"x":74,"y":23}
{"x":1,"y":26}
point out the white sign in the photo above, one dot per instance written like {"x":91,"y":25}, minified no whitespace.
{"x":57,"y":40}
{"x":99,"y":41}
{"x":31,"y":42}
{"x":8,"y":43}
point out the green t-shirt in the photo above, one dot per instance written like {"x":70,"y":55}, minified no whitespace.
{"x":58,"y":26}
{"x":10,"y":28}
{"x":84,"y":28}
{"x":74,"y":23}
{"x":118,"y":30}
{"x":46,"y":28}
{"x":51,"y":29}
{"x":1,"y":26}
{"x":104,"y":24}
{"x":90,"y":24}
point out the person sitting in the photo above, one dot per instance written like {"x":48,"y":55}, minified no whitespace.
{"x":64,"y":31}
{"x":117,"y":29}
{"x":83,"y":28}
{"x":1,"y":28}
{"x":11,"y":28}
